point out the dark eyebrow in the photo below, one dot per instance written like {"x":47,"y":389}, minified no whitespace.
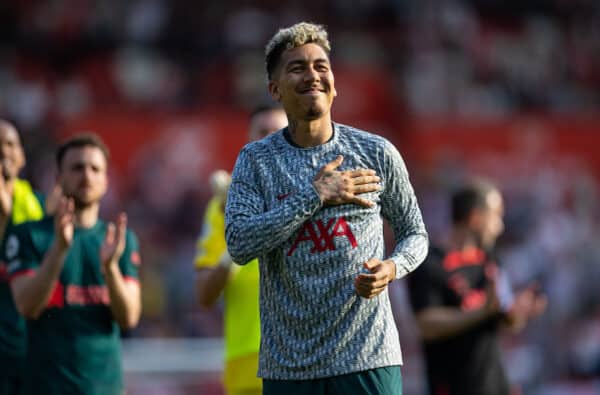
{"x":296,"y":62}
{"x":77,"y":164}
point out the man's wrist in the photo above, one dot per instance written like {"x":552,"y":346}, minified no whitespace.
{"x":59,"y":247}
{"x":316,"y":187}
{"x":392,"y":270}
{"x":110,"y":269}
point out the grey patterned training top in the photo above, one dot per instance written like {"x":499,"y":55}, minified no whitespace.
{"x":313,"y":323}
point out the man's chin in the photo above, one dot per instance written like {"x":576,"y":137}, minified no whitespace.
{"x":314,"y":113}
{"x":83,"y":203}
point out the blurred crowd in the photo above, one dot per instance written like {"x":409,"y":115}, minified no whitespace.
{"x":61,"y":60}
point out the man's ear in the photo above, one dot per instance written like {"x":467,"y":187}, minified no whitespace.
{"x":274,"y":90}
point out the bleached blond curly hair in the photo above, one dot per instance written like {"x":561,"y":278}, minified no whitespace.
{"x":293,"y":37}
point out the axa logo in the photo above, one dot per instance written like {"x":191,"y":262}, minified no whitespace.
{"x":322,"y":235}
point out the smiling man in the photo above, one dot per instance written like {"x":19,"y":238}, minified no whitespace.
{"x":308,"y":201}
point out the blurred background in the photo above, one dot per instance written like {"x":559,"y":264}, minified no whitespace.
{"x":508,"y":89}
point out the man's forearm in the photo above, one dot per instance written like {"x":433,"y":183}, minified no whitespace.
{"x":210,"y":284}
{"x":410,"y":253}
{"x":249,"y":236}
{"x":438,"y":323}
{"x":125,"y":303}
{"x":31,"y":293}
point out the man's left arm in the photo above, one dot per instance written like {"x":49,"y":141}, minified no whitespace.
{"x":120,"y":258}
{"x":399,"y":207}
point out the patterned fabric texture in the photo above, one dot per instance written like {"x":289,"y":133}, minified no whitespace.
{"x":312,"y":321}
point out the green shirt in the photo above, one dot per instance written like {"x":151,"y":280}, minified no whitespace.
{"x":74,"y":346}
{"x":27,"y":206}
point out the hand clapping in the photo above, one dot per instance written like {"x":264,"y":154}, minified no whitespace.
{"x":64,"y":226}
{"x":114,"y":242}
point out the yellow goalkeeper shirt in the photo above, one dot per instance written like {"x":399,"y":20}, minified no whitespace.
{"x":241,"y":316}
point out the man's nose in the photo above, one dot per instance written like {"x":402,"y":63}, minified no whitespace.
{"x":311,"y":74}
{"x":88,"y":173}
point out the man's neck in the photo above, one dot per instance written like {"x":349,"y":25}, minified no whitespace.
{"x":86,"y":217}
{"x":462,"y":239}
{"x":310,"y":133}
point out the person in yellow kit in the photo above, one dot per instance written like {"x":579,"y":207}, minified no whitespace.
{"x":239,"y":284}
{"x":18,"y":203}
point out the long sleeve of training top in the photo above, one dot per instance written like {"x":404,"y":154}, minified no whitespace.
{"x":251,"y":229}
{"x":399,"y":207}
{"x":313,"y":323}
